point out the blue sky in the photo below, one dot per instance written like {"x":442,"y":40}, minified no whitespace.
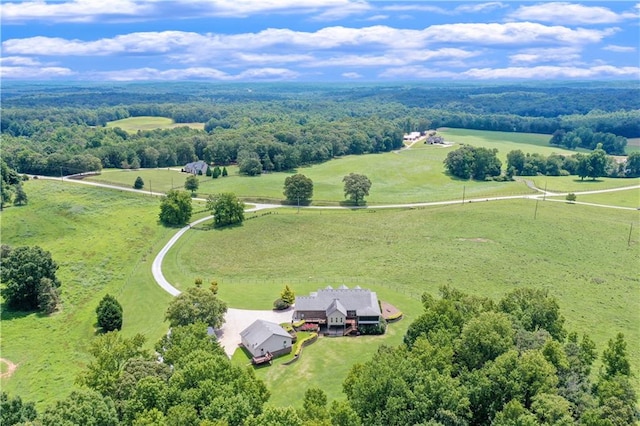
{"x":318,"y":40}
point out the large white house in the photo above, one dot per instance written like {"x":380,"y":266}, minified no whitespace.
{"x":264,"y":337}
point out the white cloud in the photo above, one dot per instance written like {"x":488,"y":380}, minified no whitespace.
{"x":392,"y":58}
{"x":19,"y":61}
{"x":552,"y":72}
{"x":537,"y":55}
{"x":570,"y":13}
{"x":377,"y":18}
{"x":417,"y":72}
{"x":480,"y":7}
{"x":351,"y":75}
{"x":196,"y":47}
{"x":620,"y":49}
{"x":71,"y":11}
{"x":94,"y":10}
{"x":36,"y":73}
{"x":153,"y":74}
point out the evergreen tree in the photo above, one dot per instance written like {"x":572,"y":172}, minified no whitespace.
{"x":109,"y":312}
{"x":139,"y":183}
{"x":21,"y":196}
{"x":224,"y":172}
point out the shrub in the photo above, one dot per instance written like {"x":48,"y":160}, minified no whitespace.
{"x":571,"y":197}
{"x":394,"y":317}
{"x":280,"y":305}
{"x":309,"y":327}
{"x":139,"y":183}
{"x":373,"y":329}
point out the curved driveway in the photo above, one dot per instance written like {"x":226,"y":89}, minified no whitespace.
{"x":238,"y":319}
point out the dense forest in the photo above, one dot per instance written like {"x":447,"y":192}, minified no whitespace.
{"x":60,"y":129}
{"x":466,"y":360}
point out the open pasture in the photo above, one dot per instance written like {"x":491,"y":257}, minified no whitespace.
{"x":104,"y":242}
{"x":412,"y":175}
{"x":133,"y":124}
{"x":505,"y":141}
{"x":633,"y":145}
{"x":626,"y":198}
{"x":579,"y":253}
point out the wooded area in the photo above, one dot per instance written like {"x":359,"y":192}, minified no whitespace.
{"x":274,"y":127}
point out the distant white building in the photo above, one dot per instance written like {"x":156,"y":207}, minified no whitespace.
{"x":265,"y":337}
{"x":413,"y":136}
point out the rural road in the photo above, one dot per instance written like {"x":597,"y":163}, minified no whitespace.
{"x":238,"y":319}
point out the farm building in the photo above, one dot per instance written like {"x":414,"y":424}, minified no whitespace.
{"x":413,"y":136}
{"x":264,"y":338}
{"x":339,"y":308}
{"x":196,"y":168}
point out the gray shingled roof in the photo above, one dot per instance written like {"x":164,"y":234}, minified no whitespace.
{"x":364,"y":302}
{"x":258,"y":332}
{"x":336,"y":306}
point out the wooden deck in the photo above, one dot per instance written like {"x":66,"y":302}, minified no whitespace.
{"x":257,"y":360}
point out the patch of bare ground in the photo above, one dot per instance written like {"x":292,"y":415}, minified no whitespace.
{"x":9,"y":370}
{"x":475,"y":240}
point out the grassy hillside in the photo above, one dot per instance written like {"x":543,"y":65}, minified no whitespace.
{"x":133,"y":124}
{"x":104,"y":242}
{"x":579,"y":253}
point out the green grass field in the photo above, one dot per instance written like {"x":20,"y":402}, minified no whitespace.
{"x":104,"y":242}
{"x":633,"y":145}
{"x":627,"y":198}
{"x":482,"y":248}
{"x":133,"y":124}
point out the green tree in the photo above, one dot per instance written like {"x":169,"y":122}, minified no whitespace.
{"x":314,"y":407}
{"x":342,"y":414}
{"x":13,"y":410}
{"x":632,"y":165}
{"x":139,"y":183}
{"x":175,"y":208}
{"x":485,"y":163}
{"x":356,"y":187}
{"x":583,"y":168}
{"x":227,"y":209}
{"x":614,"y":358}
{"x":276,"y":416}
{"x":571,"y":197}
{"x":298,"y":189}
{"x":86,"y":407}
{"x":110,"y":353}
{"x":224,"y":171}
{"x":29,"y":277}
{"x":109,"y":313}
{"x":191,"y":183}
{"x":9,"y":179}
{"x":484,"y":338}
{"x":216,"y":172}
{"x":533,"y":309}
{"x":21,"y":196}
{"x":287,"y":295}
{"x":459,"y":163}
{"x":515,"y":160}
{"x":209,"y":172}
{"x":597,"y":163}
{"x":184,"y":339}
{"x":196,"y":305}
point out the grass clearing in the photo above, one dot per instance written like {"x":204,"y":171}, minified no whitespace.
{"x":481,"y":248}
{"x":633,"y":145}
{"x":574,"y":184}
{"x":627,"y":198}
{"x":133,"y":124}
{"x":104,"y":242}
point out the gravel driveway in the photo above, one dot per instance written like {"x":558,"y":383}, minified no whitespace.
{"x":237,"y":320}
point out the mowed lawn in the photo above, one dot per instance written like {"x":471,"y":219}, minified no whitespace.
{"x":133,"y":124}
{"x":580,"y":254}
{"x":104,"y":242}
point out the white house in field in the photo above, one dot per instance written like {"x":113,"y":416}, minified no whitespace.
{"x":264,"y":337}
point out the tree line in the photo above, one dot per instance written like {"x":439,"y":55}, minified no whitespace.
{"x":481,"y":163}
{"x":466,"y":360}
{"x":281,"y":127}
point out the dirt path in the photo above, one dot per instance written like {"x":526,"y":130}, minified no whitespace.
{"x":11,"y":368}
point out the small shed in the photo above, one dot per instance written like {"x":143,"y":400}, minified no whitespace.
{"x":264,"y":337}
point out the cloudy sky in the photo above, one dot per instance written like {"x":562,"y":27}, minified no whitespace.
{"x":318,"y":40}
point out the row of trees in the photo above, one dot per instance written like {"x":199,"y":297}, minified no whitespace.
{"x":482,"y":163}
{"x":584,"y":137}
